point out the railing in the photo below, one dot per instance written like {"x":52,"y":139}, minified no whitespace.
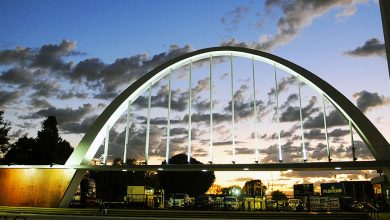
{"x":373,"y":212}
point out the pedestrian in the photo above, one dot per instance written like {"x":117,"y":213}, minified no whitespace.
{"x":105,"y":208}
{"x":101,"y":207}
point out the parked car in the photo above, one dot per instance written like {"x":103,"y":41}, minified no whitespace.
{"x":204,"y":202}
{"x":357,"y":206}
{"x":293,"y":204}
{"x":179,"y":200}
{"x":231,"y":202}
{"x":218,"y":202}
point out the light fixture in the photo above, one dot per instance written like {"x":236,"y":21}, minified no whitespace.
{"x":337,"y":168}
{"x":124,"y":170}
{"x":204,"y":170}
{"x":290,"y":170}
{"x":160,"y":168}
{"x":246,"y":168}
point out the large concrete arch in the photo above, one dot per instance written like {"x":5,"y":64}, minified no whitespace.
{"x":93,"y":138}
{"x":89,"y":144}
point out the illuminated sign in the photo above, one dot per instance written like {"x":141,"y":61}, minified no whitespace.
{"x":332,"y":188}
{"x":303,"y":189}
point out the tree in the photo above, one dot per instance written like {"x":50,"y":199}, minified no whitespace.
{"x":192,"y":183}
{"x":215,"y":189}
{"x":21,"y":152}
{"x":112,"y":185}
{"x":234,"y":190}
{"x":51,"y":147}
{"x":254,"y":188}
{"x":47,"y":148}
{"x":4,"y":129}
{"x":278,"y":195}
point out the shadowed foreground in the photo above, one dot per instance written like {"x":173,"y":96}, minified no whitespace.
{"x":66,"y":213}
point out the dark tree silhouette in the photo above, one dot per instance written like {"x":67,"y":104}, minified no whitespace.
{"x":254,"y":188}
{"x":229,"y":190}
{"x":192,"y":183}
{"x":46,"y":149}
{"x":112,"y":185}
{"x":22,"y":151}
{"x":278,"y":195}
{"x":4,"y":129}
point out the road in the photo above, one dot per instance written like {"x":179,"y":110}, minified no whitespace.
{"x":75,"y":214}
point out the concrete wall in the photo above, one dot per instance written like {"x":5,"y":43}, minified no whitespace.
{"x":33,"y":187}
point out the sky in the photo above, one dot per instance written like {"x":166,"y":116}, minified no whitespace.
{"x":72,"y":58}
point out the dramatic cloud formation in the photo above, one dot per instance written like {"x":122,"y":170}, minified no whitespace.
{"x":243,"y":106}
{"x":39,"y":103}
{"x":36,"y":68}
{"x":367,"y":100}
{"x":291,"y":113}
{"x":8,"y":97}
{"x":179,"y":98}
{"x":17,"y":76}
{"x":79,"y":127}
{"x":48,"y":56}
{"x":107,"y":78}
{"x":296,"y":15}
{"x":63,"y":115}
{"x":372,"y":47}
{"x":334,"y":118}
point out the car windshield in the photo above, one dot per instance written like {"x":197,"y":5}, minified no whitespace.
{"x":178,"y":196}
{"x":294,"y":201}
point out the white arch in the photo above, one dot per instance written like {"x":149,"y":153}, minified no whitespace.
{"x":90,"y":143}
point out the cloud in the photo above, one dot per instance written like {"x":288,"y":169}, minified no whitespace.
{"x":16,"y":134}
{"x":234,"y":17}
{"x":19,"y":55}
{"x":179,"y":99}
{"x":104,"y":79}
{"x":217,"y":118}
{"x":315,"y":134}
{"x":201,"y":85}
{"x":244,"y":108}
{"x":334,"y":118}
{"x":242,"y":179}
{"x":362,"y":152}
{"x":17,"y":76}
{"x":79,"y":127}
{"x":63,"y":115}
{"x":223,"y":143}
{"x":71,"y":94}
{"x":8,"y":97}
{"x":296,"y":16}
{"x":290,"y":152}
{"x":45,"y":89}
{"x":367,"y":100}
{"x":291,"y":113}
{"x":318,"y":152}
{"x":283,"y":134}
{"x":338,"y":132}
{"x":136,"y":149}
{"x":39,"y":103}
{"x":37,"y":69}
{"x":372,"y":47}
{"x":290,"y":99}
{"x":107,"y":78}
{"x":49,"y":56}
{"x":283,"y":85}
